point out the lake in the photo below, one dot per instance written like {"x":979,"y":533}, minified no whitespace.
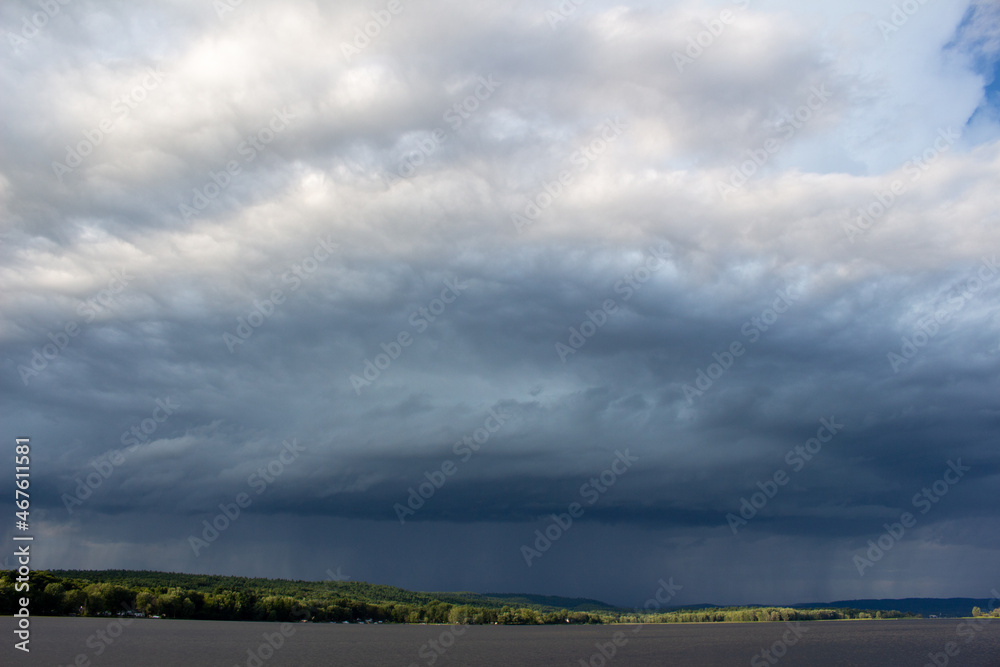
{"x":146,"y":642}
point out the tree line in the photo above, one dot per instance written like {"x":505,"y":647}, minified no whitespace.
{"x":178,"y":596}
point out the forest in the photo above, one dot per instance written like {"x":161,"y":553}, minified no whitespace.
{"x":210,"y":597}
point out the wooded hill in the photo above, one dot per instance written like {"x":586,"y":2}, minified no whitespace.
{"x":211,"y":597}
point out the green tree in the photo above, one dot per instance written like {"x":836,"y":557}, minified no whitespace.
{"x":51,"y":600}
{"x":144,"y":601}
{"x":74,"y":601}
{"x":7,"y":598}
{"x":97,"y":599}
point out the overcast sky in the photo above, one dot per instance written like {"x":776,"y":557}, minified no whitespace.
{"x":501,"y":249}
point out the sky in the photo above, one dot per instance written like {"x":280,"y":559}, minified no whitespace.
{"x":557,"y":298}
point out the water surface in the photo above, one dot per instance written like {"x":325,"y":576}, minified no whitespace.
{"x":61,"y":641}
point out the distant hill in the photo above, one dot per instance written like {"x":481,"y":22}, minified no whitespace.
{"x":926,"y":607}
{"x":948,"y":607}
{"x":377,"y":594}
{"x":551,"y":601}
{"x":355,"y":590}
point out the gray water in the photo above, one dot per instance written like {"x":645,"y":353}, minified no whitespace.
{"x":146,"y":642}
